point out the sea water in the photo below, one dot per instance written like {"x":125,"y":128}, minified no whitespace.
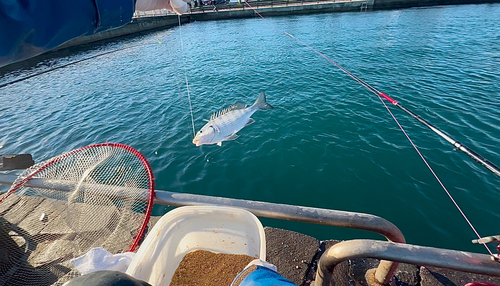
{"x":328,"y":143}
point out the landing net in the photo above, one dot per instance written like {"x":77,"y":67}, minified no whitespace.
{"x":96,"y":196}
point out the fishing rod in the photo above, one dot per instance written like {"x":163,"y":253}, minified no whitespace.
{"x":475,"y":156}
{"x":481,"y":160}
{"x":490,"y":166}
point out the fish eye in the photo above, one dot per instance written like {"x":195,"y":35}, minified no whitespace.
{"x":201,"y":131}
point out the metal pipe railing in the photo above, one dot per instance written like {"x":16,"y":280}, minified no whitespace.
{"x":262,"y":209}
{"x":406,"y":253}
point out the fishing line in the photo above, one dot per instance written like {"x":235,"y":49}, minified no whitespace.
{"x":186,"y":77}
{"x":437,"y":178}
{"x":65,"y":65}
{"x":381,"y":95}
{"x":458,"y":146}
{"x":102,"y":54}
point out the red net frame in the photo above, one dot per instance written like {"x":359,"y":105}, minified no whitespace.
{"x":143,"y":160}
{"x":110,"y":167}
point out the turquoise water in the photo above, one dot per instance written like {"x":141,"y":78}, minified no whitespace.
{"x":328,"y":143}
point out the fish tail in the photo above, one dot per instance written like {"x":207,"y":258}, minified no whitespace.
{"x":261,"y":102}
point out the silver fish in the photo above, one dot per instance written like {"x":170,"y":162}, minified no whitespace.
{"x":224,"y":124}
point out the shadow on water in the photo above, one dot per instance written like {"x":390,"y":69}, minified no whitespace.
{"x":54,"y":59}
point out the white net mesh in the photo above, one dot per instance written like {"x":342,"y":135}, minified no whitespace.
{"x":96,"y":196}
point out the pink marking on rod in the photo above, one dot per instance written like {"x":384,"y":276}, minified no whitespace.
{"x":388,"y":98}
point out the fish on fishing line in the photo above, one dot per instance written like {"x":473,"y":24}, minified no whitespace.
{"x":223,"y":125}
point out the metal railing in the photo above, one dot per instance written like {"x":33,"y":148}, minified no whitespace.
{"x":153,"y":13}
{"x":394,"y":250}
{"x":240,"y":5}
{"x":406,"y":253}
{"x":259,"y":4}
{"x":262,"y":209}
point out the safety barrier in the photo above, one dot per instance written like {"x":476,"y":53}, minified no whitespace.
{"x":406,"y":253}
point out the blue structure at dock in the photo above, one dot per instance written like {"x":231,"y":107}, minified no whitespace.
{"x":30,"y":28}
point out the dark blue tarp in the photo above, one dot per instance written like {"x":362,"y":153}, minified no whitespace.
{"x":32,"y":27}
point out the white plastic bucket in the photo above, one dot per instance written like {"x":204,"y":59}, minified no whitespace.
{"x":185,"y":229}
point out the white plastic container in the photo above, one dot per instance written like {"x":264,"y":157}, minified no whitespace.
{"x":185,"y":229}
